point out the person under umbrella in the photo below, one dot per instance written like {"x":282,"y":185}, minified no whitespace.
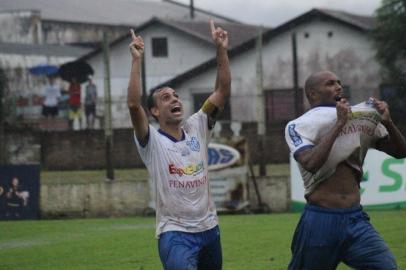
{"x":75,"y":112}
{"x":51,"y":95}
{"x":90,"y":103}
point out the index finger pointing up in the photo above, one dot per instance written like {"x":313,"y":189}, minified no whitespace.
{"x":213,"y":28}
{"x":132,"y":33}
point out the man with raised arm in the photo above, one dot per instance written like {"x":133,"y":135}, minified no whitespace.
{"x":329,"y":143}
{"x":177,"y":160}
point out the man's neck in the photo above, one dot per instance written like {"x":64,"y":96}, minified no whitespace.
{"x":173,"y":130}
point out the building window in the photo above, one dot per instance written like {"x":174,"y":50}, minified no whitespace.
{"x":199,"y":99}
{"x":280,"y":105}
{"x":160,"y":47}
{"x":330,"y":34}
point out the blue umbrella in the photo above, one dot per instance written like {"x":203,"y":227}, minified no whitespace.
{"x":44,"y":69}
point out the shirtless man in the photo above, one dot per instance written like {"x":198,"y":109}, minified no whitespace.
{"x":329,"y":143}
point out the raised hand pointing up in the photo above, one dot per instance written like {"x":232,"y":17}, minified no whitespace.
{"x":136,"y":45}
{"x":220,"y":36}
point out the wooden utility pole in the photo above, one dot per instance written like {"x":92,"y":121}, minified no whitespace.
{"x":295,"y":75}
{"x":108,"y":130}
{"x":260,"y":105}
{"x":143,"y":82}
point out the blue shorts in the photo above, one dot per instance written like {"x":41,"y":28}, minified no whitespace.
{"x":190,"y":251}
{"x":325,"y":237}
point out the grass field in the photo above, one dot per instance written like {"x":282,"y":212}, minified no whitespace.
{"x":249,"y":242}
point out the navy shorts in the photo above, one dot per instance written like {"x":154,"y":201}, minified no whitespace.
{"x":190,"y":251}
{"x":325,"y":237}
{"x":49,"y":111}
{"x":90,"y":109}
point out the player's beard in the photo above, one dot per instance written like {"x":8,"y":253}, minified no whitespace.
{"x":174,"y":120}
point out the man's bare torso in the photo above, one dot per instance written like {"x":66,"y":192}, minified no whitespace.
{"x":341,"y":190}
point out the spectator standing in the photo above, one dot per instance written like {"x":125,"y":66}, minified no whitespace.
{"x":51,"y":95}
{"x":90,"y":102}
{"x":74,"y":103}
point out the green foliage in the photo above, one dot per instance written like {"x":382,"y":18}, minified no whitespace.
{"x":3,"y":84}
{"x":390,"y":40}
{"x":248,"y":242}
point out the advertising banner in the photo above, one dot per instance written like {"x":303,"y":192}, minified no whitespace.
{"x":19,"y":192}
{"x":229,"y":188}
{"x":383,"y":184}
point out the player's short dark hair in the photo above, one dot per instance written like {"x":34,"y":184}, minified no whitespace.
{"x":150,"y":99}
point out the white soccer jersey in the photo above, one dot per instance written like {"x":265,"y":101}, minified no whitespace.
{"x":179,"y":173}
{"x":351,"y":145}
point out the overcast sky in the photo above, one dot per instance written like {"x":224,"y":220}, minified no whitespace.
{"x":275,"y":12}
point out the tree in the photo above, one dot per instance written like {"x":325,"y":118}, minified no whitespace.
{"x":390,"y":41}
{"x":3,"y":84}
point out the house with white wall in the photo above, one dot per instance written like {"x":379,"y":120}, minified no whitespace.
{"x":325,"y":40}
{"x":172,"y":47}
{"x":83,"y":22}
{"x":24,"y":90}
{"x":58,"y":31}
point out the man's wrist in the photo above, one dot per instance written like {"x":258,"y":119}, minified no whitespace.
{"x":220,"y":48}
{"x":136,"y":60}
{"x":387,"y":122}
{"x":340,"y":123}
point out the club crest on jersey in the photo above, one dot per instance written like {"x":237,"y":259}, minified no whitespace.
{"x":294,"y":136}
{"x":193,"y":144}
{"x":185,"y":151}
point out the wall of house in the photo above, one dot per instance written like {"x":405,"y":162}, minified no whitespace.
{"x":184,"y":52}
{"x":347,"y":52}
{"x":26,"y":26}
{"x":55,"y":32}
{"x":23,"y":26}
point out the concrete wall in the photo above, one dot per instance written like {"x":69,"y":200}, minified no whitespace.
{"x":94,"y":199}
{"x":85,"y":149}
{"x":121,"y":198}
{"x":20,"y":26}
{"x":56,"y":32}
{"x":71,"y":150}
{"x":74,"y":150}
{"x":27,"y":26}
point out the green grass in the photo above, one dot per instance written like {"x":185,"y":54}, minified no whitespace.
{"x":249,"y":242}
